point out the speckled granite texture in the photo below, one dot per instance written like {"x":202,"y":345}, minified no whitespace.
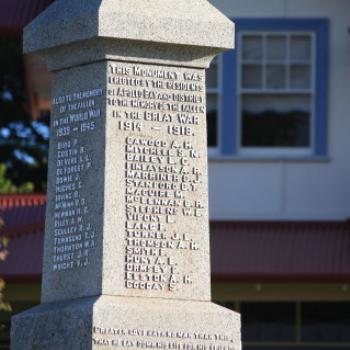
{"x":182,"y":22}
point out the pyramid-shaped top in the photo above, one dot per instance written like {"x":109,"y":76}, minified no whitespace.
{"x":182,"y":22}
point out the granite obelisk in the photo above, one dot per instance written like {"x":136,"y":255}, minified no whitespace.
{"x":126,"y":252}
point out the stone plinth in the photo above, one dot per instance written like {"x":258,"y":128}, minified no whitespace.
{"x":126,"y":253}
{"x":107,"y":322}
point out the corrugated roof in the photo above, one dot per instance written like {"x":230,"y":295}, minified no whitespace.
{"x":283,"y":251}
{"x":22,"y":214}
{"x":16,"y":14}
{"x":249,"y":251}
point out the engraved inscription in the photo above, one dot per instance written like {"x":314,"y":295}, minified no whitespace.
{"x":140,"y":95}
{"x":160,"y":111}
{"x":74,"y":235}
{"x":161,"y":339}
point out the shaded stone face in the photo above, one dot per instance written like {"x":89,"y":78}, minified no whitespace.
{"x":127,"y":209}
{"x":74,"y":214}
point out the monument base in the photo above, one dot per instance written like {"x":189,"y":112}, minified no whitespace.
{"x":109,"y":322}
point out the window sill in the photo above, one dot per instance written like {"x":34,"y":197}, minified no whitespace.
{"x":265,"y":159}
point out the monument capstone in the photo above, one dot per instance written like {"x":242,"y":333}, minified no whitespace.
{"x":126,"y":251}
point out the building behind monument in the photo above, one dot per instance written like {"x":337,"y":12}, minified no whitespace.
{"x":278,"y":173}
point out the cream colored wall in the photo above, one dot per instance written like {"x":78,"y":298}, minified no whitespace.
{"x":293,"y":190}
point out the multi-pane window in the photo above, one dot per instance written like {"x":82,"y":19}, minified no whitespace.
{"x":268,"y":97}
{"x":213,"y":96}
{"x":276,"y":90}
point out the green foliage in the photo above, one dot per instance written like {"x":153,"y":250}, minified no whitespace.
{"x":23,"y":141}
{"x":4,"y":243}
{"x":7,"y":187}
{"x":4,"y":305}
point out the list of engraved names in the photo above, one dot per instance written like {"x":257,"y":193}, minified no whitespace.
{"x":160,"y":110}
{"x":76,"y":117}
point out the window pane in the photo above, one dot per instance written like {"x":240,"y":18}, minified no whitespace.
{"x":275,"y":121}
{"x":251,"y":76}
{"x":300,"y":47}
{"x":275,"y":76}
{"x":212,"y":120}
{"x":268,"y":322}
{"x":276,"y":47}
{"x":323,"y":322}
{"x":252,"y":47}
{"x":300,"y":76}
{"x":212,"y":76}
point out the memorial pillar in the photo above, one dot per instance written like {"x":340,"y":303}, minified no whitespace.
{"x":126,"y":252}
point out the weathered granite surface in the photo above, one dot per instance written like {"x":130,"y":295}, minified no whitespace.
{"x":126,"y":252}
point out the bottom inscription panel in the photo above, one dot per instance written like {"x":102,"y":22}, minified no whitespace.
{"x":161,"y":339}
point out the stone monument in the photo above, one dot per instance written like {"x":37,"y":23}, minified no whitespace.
{"x":126,"y":252}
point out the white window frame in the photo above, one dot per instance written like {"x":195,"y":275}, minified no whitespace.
{"x":276,"y":152}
